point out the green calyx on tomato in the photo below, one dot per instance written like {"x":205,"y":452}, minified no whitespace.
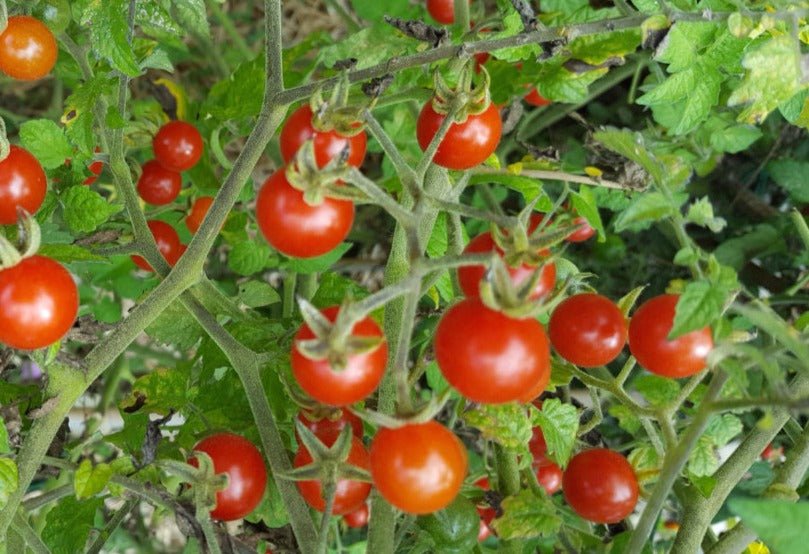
{"x":337,"y":114}
{"x":317,"y":183}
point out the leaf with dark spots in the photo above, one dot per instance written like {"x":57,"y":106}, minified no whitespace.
{"x":151,"y":441}
{"x":419,"y":30}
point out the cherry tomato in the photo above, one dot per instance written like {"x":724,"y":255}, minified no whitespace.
{"x":332,"y":424}
{"x":328,"y":145}
{"x":771,"y":453}
{"x":600,"y":485}
{"x":247,"y":476}
{"x":358,"y":518}
{"x":549,"y":475}
{"x":358,"y":379}
{"x":198,"y":212}
{"x":22,"y":184}
{"x":95,"y":168}
{"x":484,"y":531}
{"x":537,"y":445}
{"x":442,"y":11}
{"x":466,"y":144}
{"x":178,"y":146}
{"x":536,"y":99}
{"x":158,"y":185}
{"x":486,"y":513}
{"x":295,"y":228}
{"x":588,"y":330}
{"x":470,"y":276}
{"x":27,"y":49}
{"x":350,"y":495}
{"x":583,"y":233}
{"x":648,"y":340}
{"x":536,"y":389}
{"x":168,"y":242}
{"x":418,"y":468}
{"x":487,"y":356}
{"x":38,"y":303}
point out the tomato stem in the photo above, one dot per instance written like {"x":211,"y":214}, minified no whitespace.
{"x":329,"y":493}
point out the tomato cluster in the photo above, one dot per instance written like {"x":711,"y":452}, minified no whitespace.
{"x":177,"y":147}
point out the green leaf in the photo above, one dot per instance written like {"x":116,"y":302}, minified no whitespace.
{"x":85,"y":210}
{"x":632,"y":146}
{"x":370,"y":46}
{"x":239,"y":95}
{"x":46,"y":141}
{"x":529,"y":188}
{"x":69,"y":253}
{"x":722,"y":429}
{"x":703,"y":460}
{"x":527,"y":515}
{"x":106,"y":21}
{"x":648,"y":208}
{"x":791,"y":175}
{"x":700,"y":304}
{"x":257,"y":293}
{"x":5,"y":448}
{"x":507,"y":424}
{"x":684,"y":43}
{"x":584,"y":204}
{"x":90,"y":480}
{"x":8,"y":480}
{"x":780,"y":524}
{"x":646,"y":462}
{"x":559,"y":423}
{"x":162,"y":390}
{"x":735,"y":139}
{"x":334,"y":288}
{"x":321,"y":263}
{"x":249,"y":257}
{"x":175,"y":326}
{"x":373,"y":10}
{"x":627,"y":420}
{"x":657,"y":391}
{"x":701,"y":213}
{"x":69,"y":523}
{"x":191,"y":15}
{"x":796,"y":109}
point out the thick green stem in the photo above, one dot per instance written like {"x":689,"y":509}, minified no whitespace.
{"x":508,"y":483}
{"x":105,"y":534}
{"x":31,"y":537}
{"x":329,"y":492}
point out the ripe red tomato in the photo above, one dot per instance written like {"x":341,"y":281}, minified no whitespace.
{"x":350,"y":495}
{"x":358,"y":379}
{"x":419,"y":468}
{"x":600,"y":485}
{"x":485,"y":531}
{"x":22,"y":184}
{"x":95,"y":168}
{"x":247,"y":476}
{"x":28,"y":49}
{"x":466,"y":144}
{"x":536,"y":389}
{"x":178,"y":146}
{"x":536,"y":99}
{"x":38,"y":303}
{"x":583,"y":233}
{"x":295,"y":228}
{"x":486,"y":513}
{"x":330,"y":425}
{"x":648,"y":342}
{"x":358,"y":518}
{"x":168,"y":242}
{"x":487,"y":356}
{"x":537,"y":445}
{"x":158,"y":185}
{"x":470,"y":276}
{"x":198,"y":212}
{"x":442,"y":11}
{"x":588,"y":330}
{"x":328,"y":145}
{"x":549,"y":475}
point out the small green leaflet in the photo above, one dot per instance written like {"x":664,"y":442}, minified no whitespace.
{"x":85,"y":210}
{"x":632,"y":146}
{"x":249,"y":257}
{"x":90,"y":480}
{"x":175,"y":326}
{"x":507,"y":424}
{"x":108,"y":27}
{"x":8,"y":480}
{"x":792,"y":176}
{"x":658,"y":391}
{"x":780,"y":524}
{"x":648,"y":208}
{"x":256,"y":294}
{"x":559,"y":423}
{"x":703,"y":460}
{"x":46,"y":141}
{"x":69,"y":253}
{"x":527,"y":515}
{"x":69,"y":523}
{"x":700,"y":304}
{"x":192,"y":16}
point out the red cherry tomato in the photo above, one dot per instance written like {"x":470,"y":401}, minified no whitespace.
{"x":38,"y":303}
{"x":470,"y":276}
{"x":648,"y":340}
{"x":536,"y":99}
{"x":418,"y":468}
{"x":549,"y":475}
{"x":95,"y":168}
{"x":588,"y":330}
{"x":168,"y":242}
{"x":350,"y":495}
{"x":247,"y":476}
{"x":443,"y":11}
{"x":487,"y":356}
{"x":158,"y":185}
{"x":27,"y":49}
{"x":358,"y":518}
{"x":583,"y":233}
{"x":328,"y":145}
{"x":466,"y":144}
{"x":295,"y":228}
{"x":600,"y":485}
{"x":357,"y":380}
{"x":536,"y":389}
{"x":331,"y":425}
{"x":485,"y":531}
{"x":537,"y":445}
{"x":198,"y":212}
{"x":178,"y":146}
{"x":22,"y":184}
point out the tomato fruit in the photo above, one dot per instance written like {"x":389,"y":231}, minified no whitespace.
{"x":328,"y":144}
{"x":157,"y":185}
{"x":588,"y":330}
{"x":583,"y":233}
{"x":536,"y":99}
{"x":198,"y":212}
{"x":28,"y":49}
{"x":295,"y":228}
{"x":487,"y":356}
{"x":536,"y":389}
{"x":443,"y":11}
{"x":549,"y":475}
{"x":466,"y":144}
{"x":600,"y":485}
{"x":247,"y":476}
{"x":358,"y":379}
{"x":22,"y":184}
{"x":537,"y":445}
{"x":38,"y":303}
{"x":178,"y":146}
{"x":330,"y":425}
{"x":358,"y":518}
{"x":350,"y":495}
{"x":168,"y":242}
{"x":95,"y":168}
{"x":648,"y":340}
{"x":418,"y":468}
{"x":470,"y":276}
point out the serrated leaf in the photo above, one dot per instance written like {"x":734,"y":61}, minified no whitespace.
{"x":559,"y":423}
{"x":192,"y":16}
{"x":89,"y":480}
{"x":648,"y":208}
{"x":69,"y":253}
{"x":175,"y":326}
{"x":657,"y":391}
{"x":46,"y":141}
{"x":584,"y":204}
{"x":162,"y":390}
{"x":700,"y":304}
{"x":256,"y":294}
{"x":723,"y":428}
{"x":632,"y":146}
{"x":507,"y":424}
{"x":8,"y":480}
{"x":780,"y":524}
{"x":249,"y":257}
{"x":239,"y":95}
{"x":701,"y":213}
{"x":107,"y":23}
{"x":703,"y":460}
{"x":527,"y":515}
{"x":370,"y":46}
{"x":69,"y":523}
{"x":85,"y":210}
{"x":627,"y":420}
{"x":793,"y":177}
{"x":735,"y":139}
{"x":646,"y":462}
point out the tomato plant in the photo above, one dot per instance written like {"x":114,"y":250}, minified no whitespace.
{"x":178,"y":146}
{"x":600,"y":485}
{"x":158,"y":185}
{"x":27,"y":49}
{"x":199,"y":209}
{"x":168,"y":243}
{"x":332,"y":423}
{"x":358,"y":518}
{"x":22,"y":184}
{"x":466,"y":143}
{"x":300,"y":128}
{"x":588,"y":330}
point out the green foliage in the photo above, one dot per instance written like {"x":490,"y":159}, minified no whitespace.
{"x":780,"y":524}
{"x":559,"y":423}
{"x":527,"y":515}
{"x":85,"y":210}
{"x":69,"y":523}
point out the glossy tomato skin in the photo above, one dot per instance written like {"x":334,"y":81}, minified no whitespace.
{"x":329,"y":425}
{"x":247,"y":476}
{"x":38,"y":303}
{"x":418,"y":468}
{"x":536,"y":99}
{"x":588,"y":330}
{"x":22,"y":184}
{"x":295,"y":228}
{"x":536,"y":389}
{"x":198,"y":212}
{"x":487,"y":356}
{"x":583,"y":233}
{"x":328,"y":145}
{"x":360,"y":377}
{"x":28,"y":49}
{"x":537,"y":445}
{"x":95,"y":168}
{"x":157,"y":185}
{"x":648,"y":342}
{"x":443,"y":11}
{"x":549,"y":476}
{"x":178,"y":146}
{"x":358,"y":518}
{"x":600,"y":485}
{"x":350,"y":495}
{"x":168,"y":242}
{"x":466,"y":144}
{"x":470,"y":276}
